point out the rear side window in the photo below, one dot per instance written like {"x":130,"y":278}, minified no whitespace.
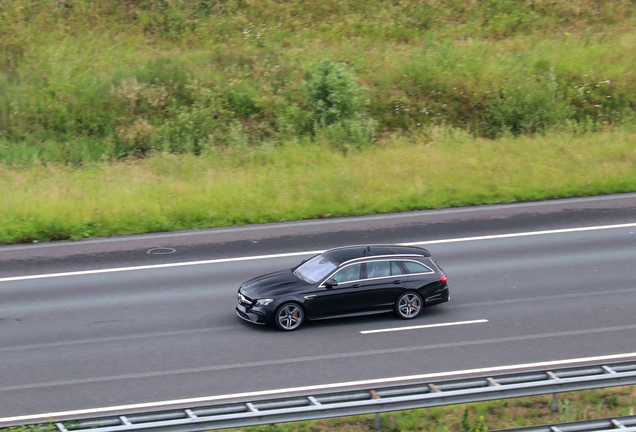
{"x":414,"y":267}
{"x":378,"y":269}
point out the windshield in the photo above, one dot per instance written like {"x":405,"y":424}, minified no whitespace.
{"x":314,"y":269}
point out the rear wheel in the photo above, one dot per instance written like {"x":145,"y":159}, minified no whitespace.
{"x":409,"y":305}
{"x":289,"y":317}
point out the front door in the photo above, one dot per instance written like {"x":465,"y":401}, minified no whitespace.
{"x":343,"y":298}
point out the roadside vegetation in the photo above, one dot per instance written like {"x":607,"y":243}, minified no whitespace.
{"x":475,"y":417}
{"x":122,"y":116}
{"x":481,"y":416}
{"x":271,"y":183}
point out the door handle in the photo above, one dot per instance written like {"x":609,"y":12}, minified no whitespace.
{"x":397,"y":281}
{"x":355,"y":286}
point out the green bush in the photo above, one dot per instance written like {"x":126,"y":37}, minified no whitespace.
{"x":527,"y":108}
{"x":188,"y":127}
{"x":338,"y":111}
{"x":240,"y":100}
{"x":333,"y":92}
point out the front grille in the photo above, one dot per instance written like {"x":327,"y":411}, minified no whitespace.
{"x":244,"y":300}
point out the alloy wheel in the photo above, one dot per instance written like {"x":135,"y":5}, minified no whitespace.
{"x":289,"y":317}
{"x":409,"y":305}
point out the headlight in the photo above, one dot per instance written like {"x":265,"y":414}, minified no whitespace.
{"x":263,"y":302}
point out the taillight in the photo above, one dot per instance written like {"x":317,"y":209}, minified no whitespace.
{"x":442,"y":278}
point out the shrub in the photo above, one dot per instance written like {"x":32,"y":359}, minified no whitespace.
{"x":527,"y":108}
{"x":163,"y":72}
{"x":333,"y":93}
{"x":338,"y":113}
{"x":189,"y":126}
{"x":241,"y":100}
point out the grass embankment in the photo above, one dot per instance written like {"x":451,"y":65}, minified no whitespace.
{"x":272,"y":183}
{"x":121,"y":116}
{"x":80,"y":81}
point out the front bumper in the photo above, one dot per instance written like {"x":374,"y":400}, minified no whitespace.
{"x":246,"y":309}
{"x":251,"y":317}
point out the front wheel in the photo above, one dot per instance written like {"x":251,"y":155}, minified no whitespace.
{"x":289,"y":317}
{"x":408,"y":305}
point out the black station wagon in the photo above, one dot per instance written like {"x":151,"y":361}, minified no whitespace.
{"x":347,"y":281}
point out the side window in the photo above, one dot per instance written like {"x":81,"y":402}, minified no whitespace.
{"x":348,"y":274}
{"x":414,"y":267}
{"x":396,"y":269}
{"x":378,"y":269}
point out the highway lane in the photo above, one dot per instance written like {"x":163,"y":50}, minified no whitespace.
{"x":119,"y":338}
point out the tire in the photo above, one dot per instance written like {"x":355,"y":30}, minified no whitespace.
{"x":409,"y":305}
{"x":289,"y":316}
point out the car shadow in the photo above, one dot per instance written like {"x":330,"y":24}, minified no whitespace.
{"x":381,"y":320}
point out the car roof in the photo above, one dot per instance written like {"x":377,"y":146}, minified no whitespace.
{"x":348,"y":253}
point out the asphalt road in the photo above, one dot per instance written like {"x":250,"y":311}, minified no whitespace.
{"x":113,"y":338}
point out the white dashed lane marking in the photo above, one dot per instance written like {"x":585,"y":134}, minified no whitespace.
{"x":425,"y":326}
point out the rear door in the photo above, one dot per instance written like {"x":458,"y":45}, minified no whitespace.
{"x":384,"y":283}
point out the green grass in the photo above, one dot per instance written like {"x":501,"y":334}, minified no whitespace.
{"x":292,"y":181}
{"x":121,"y":116}
{"x":81,"y":81}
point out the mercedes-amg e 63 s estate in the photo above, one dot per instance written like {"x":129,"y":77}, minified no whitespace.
{"x":347,"y":281}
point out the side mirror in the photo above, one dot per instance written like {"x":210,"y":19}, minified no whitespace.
{"x":331,"y":283}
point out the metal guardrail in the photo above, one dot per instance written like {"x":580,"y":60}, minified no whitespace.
{"x":369,"y":401}
{"x":622,"y":424}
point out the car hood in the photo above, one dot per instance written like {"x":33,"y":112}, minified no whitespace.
{"x":271,"y":284}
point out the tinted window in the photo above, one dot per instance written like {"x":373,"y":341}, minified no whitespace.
{"x":414,"y":267}
{"x":349,"y":273}
{"x":395,"y":269}
{"x":378,"y":269}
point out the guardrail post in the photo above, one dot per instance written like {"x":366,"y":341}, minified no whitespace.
{"x":555,"y":404}
{"x":377,"y":415}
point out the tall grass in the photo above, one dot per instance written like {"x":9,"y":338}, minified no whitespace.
{"x":121,"y":116}
{"x":82,"y":81}
{"x":270,"y":183}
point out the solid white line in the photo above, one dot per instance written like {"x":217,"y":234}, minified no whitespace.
{"x":424,"y":326}
{"x":191,"y":401}
{"x":292,"y":254}
{"x":526,"y":234}
{"x":158,"y":266}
